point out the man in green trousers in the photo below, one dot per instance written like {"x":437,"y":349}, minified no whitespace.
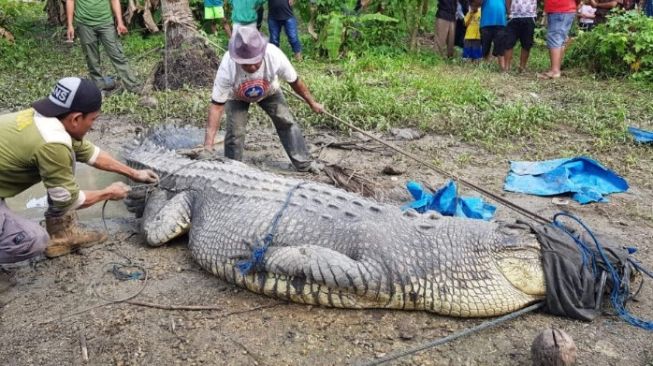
{"x":94,"y":23}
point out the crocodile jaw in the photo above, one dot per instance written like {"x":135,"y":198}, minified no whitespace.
{"x":522,"y":267}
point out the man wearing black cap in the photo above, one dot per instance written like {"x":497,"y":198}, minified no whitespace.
{"x":42,"y":144}
{"x":250,"y":73}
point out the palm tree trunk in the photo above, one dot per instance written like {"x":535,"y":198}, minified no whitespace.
{"x":56,"y":10}
{"x":188,"y":59}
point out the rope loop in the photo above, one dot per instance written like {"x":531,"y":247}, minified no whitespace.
{"x":620,"y":292}
{"x":257,"y":256}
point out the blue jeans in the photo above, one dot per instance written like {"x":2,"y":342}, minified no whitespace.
{"x":291,"y":31}
{"x":557,"y":28}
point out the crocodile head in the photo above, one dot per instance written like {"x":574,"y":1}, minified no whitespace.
{"x":521,"y":264}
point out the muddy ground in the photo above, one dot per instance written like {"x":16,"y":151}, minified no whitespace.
{"x":53,"y":306}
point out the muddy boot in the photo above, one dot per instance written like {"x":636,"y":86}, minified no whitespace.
{"x":67,"y":236}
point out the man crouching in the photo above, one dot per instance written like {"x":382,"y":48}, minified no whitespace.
{"x":42,"y":144}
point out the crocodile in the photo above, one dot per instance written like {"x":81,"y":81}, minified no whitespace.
{"x":326,"y":246}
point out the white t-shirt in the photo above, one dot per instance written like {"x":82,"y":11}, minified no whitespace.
{"x":586,"y":10}
{"x":232,"y":82}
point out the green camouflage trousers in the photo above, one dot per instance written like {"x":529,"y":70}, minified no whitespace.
{"x":91,"y":37}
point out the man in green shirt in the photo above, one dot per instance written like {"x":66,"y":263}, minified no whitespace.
{"x":94,"y":25}
{"x":42,"y":144}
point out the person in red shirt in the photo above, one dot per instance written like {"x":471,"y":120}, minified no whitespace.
{"x":560,"y":15}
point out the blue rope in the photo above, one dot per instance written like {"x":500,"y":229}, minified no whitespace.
{"x":124,"y":275}
{"x":620,"y":287}
{"x":261,"y":246}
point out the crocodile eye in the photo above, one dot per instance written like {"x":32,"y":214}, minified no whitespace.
{"x":411,"y":213}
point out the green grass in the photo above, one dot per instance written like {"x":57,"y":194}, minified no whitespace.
{"x":377,"y":90}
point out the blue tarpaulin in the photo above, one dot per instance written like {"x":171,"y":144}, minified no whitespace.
{"x":588,"y":180}
{"x":641,"y":135}
{"x":446,"y":201}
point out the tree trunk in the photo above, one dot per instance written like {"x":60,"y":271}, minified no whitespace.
{"x":56,"y":10}
{"x":188,"y":59}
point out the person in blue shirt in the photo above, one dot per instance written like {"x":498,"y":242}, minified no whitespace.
{"x":493,"y":27}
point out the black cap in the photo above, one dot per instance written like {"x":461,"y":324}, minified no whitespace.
{"x":71,"y":94}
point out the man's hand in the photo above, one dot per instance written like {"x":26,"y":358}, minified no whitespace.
{"x":118,"y":191}
{"x":121,"y":29}
{"x":207,"y":154}
{"x":317,"y":107}
{"x":70,"y":33}
{"x":145,"y":176}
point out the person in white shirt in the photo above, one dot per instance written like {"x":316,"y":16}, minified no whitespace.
{"x":586,"y":15}
{"x":250,"y":73}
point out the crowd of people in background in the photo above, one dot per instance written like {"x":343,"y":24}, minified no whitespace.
{"x":484,"y":29}
{"x":492,"y":28}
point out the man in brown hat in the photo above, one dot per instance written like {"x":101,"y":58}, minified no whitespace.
{"x":250,"y":73}
{"x":42,"y":144}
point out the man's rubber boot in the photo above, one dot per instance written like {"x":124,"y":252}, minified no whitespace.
{"x":67,"y":236}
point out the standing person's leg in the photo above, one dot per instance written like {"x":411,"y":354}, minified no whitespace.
{"x":486,"y":42}
{"x":289,"y":132}
{"x":109,"y":38}
{"x":91,"y":48}
{"x":274,"y":27}
{"x":558,"y":25}
{"x":441,"y":34}
{"x":260,"y":13}
{"x":226,"y":26}
{"x":20,"y":239}
{"x":512,"y":32}
{"x":237,"y":113}
{"x":210,"y":17}
{"x":499,"y":49}
{"x":526,"y":40}
{"x":451,"y":38}
{"x":293,"y":37}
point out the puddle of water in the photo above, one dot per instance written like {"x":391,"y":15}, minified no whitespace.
{"x":88,"y":178}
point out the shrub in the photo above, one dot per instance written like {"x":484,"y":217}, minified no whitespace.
{"x":623,"y":46}
{"x":355,"y":33}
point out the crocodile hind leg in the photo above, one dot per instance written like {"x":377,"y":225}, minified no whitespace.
{"x":166,"y":218}
{"x":305,"y":274}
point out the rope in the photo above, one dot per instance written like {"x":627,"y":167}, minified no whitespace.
{"x":620,"y":283}
{"x":121,"y":275}
{"x":460,"y":334}
{"x":261,"y":246}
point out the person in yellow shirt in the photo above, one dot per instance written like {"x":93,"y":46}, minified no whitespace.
{"x":472,"y":49}
{"x":42,"y":144}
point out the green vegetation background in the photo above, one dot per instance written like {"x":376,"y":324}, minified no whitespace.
{"x":377,"y":88}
